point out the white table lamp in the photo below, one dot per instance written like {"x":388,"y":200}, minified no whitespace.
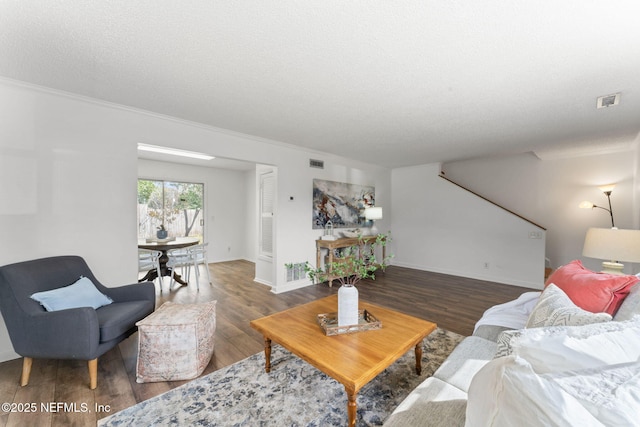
{"x":372,"y":214}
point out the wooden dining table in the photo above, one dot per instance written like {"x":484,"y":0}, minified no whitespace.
{"x":164,"y":246}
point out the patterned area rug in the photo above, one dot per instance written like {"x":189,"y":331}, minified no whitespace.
{"x":293,"y":394}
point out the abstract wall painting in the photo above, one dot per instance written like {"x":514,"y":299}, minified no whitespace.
{"x":340,"y":203}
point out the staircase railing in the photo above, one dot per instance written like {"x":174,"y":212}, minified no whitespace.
{"x":492,"y":202}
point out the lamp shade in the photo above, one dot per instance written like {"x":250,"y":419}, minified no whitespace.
{"x":607,"y":188}
{"x":373,"y":213}
{"x":612,"y":244}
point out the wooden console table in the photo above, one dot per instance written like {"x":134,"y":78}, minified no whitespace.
{"x":345,"y":242}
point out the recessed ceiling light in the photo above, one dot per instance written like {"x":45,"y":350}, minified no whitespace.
{"x":174,"y":151}
{"x":608,"y":100}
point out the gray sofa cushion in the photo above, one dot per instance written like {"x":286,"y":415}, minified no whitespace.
{"x":490,"y":332}
{"x":465,"y":360}
{"x":434,"y":403}
{"x":119,"y":317}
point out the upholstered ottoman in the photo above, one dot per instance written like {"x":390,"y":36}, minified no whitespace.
{"x":175,"y":342}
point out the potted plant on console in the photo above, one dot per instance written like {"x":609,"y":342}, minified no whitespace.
{"x":354,"y":264}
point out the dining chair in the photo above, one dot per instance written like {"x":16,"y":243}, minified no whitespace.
{"x":179,"y":258}
{"x":149,"y":260}
{"x":199,"y":256}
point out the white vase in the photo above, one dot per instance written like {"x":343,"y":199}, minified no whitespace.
{"x":347,"y":305}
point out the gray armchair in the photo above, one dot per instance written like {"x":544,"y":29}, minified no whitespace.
{"x":77,"y":333}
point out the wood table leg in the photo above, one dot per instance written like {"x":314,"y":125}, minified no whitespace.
{"x":352,"y":408}
{"x":318,"y":254}
{"x":149,"y":277}
{"x":178,"y":278}
{"x":419,"y":358}
{"x":329,"y":266}
{"x":267,"y":355}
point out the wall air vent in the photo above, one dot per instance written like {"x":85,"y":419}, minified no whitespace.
{"x":608,"y":100}
{"x":319,"y":164}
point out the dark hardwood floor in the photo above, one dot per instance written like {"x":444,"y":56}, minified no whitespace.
{"x":58,"y":393}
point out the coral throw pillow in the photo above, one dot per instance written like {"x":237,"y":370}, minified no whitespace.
{"x":591,"y":291}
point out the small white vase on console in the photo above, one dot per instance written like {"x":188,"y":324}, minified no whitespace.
{"x":347,"y":305}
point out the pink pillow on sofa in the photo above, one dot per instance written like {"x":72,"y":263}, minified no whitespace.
{"x":591,"y":291}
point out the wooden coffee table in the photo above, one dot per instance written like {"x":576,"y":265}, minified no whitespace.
{"x":351,"y":359}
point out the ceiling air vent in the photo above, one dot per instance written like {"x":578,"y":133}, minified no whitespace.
{"x":608,"y":100}
{"x":319,"y":164}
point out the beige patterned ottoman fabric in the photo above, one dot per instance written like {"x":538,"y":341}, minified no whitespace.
{"x":175,"y":342}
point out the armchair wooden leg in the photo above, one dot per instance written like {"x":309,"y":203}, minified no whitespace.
{"x":26,"y":371}
{"x":93,"y":373}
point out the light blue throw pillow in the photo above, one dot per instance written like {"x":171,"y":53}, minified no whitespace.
{"x":82,"y":293}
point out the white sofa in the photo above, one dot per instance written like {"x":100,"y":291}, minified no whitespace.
{"x":473,"y":387}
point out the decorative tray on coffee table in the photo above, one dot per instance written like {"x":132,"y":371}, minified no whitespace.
{"x":366,"y":322}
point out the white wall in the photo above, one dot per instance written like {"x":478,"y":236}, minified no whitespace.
{"x":294,"y":221}
{"x":440,"y":227}
{"x":549,"y":191}
{"x":67,"y":181}
{"x":68,"y":173}
{"x":226,"y":213}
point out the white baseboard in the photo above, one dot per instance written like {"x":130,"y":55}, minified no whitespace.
{"x":263,"y":282}
{"x":299,"y":284}
{"x":486,"y":277}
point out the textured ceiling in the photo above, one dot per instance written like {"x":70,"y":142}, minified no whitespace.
{"x":389,"y":83}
